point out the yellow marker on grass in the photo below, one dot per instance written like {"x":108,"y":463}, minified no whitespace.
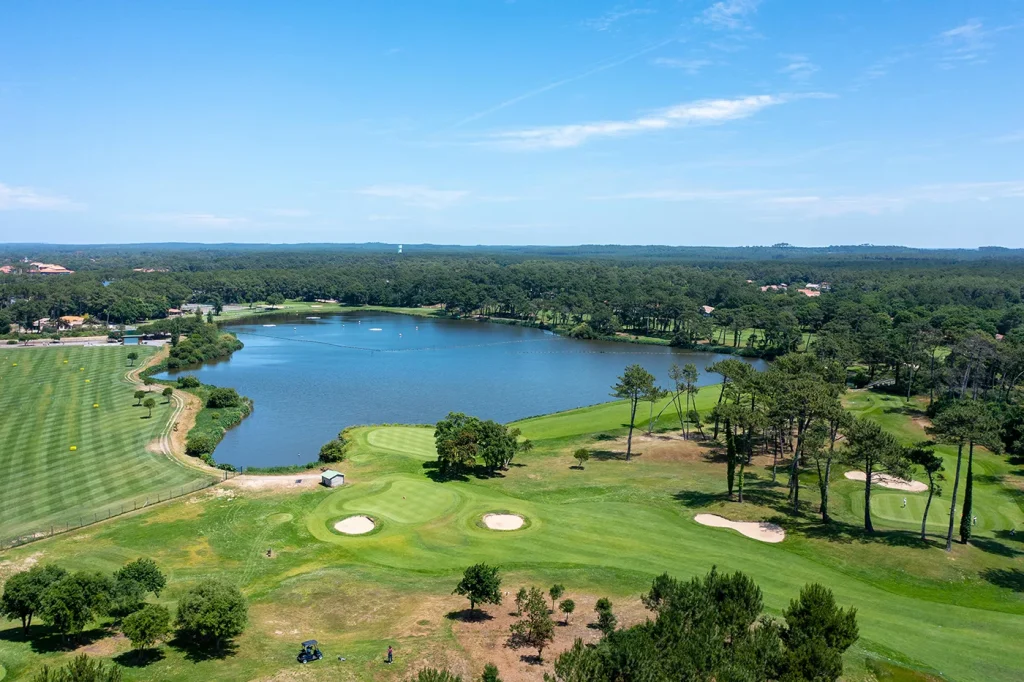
{"x":73,"y":448}
{"x":95,"y":404}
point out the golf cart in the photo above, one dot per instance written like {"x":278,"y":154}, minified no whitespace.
{"x":310,"y":652}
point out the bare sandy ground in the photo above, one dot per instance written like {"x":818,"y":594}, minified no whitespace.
{"x":355,"y":525}
{"x":887,"y":481}
{"x":503,"y":521}
{"x":288,"y":482}
{"x":758,"y":530}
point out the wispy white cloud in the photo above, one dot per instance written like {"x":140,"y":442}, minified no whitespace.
{"x":290,"y":212}
{"x":690,"y":66}
{"x":689,"y":194}
{"x":612,"y":17}
{"x":197,"y":219}
{"x":25,"y":198}
{"x":597,"y":68}
{"x":818,"y":204}
{"x":831,"y":205}
{"x":420,"y":196}
{"x":969,"y":43}
{"x":799,"y":68}
{"x":729,"y":14}
{"x":702,"y":112}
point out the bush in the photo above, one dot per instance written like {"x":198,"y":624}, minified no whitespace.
{"x":583,"y":331}
{"x":211,"y":613}
{"x":12,"y":342}
{"x":223,"y":397}
{"x":199,"y":444}
{"x":188,"y":381}
{"x":226,"y":467}
{"x":859,"y":379}
{"x":334,"y":451}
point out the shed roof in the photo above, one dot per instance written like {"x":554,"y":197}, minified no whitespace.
{"x":331,"y":473}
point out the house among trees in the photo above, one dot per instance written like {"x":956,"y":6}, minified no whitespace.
{"x":37,"y":268}
{"x":175,"y":312}
{"x":775,"y":287}
{"x":332,"y":478}
{"x":706,"y":310}
{"x":809,"y":292}
{"x":71,"y":321}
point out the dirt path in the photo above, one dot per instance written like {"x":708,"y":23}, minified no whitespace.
{"x":171,"y":441}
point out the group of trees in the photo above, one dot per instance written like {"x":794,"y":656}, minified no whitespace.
{"x":209,"y":614}
{"x":793,"y":411}
{"x":713,"y":628}
{"x":461,"y":439}
{"x":703,"y":629}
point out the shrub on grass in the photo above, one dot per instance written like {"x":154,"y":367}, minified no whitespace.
{"x":199,"y":444}
{"x":188,"y":381}
{"x":146,"y":627}
{"x":212,"y":613}
{"x":223,"y":397}
{"x":80,"y":669}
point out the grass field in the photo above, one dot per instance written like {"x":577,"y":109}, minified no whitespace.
{"x":604,"y":530}
{"x":54,"y":398}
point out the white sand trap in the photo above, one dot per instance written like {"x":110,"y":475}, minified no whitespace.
{"x":355,"y":525}
{"x":758,"y":530}
{"x":887,"y":481}
{"x":503,"y":521}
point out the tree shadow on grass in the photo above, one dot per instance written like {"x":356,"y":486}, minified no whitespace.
{"x":469,"y":616}
{"x":995,"y":547}
{"x":435,"y":474}
{"x":531,"y":659}
{"x":203,"y":651}
{"x":43,"y":640}
{"x":609,"y":455}
{"x":139,"y":658}
{"x":839,"y":531}
{"x":1010,"y":578}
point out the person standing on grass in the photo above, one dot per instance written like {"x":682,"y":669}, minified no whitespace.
{"x":391,"y":655}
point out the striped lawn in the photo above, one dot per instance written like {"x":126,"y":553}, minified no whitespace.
{"x":46,"y":406}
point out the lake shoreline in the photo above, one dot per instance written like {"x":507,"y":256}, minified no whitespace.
{"x":432,"y":313}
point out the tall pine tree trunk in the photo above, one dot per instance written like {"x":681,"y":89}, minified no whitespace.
{"x":730,"y":456}
{"x":632,"y":420}
{"x":966,"y":516}
{"x":927,"y":505}
{"x":952,"y":505}
{"x":867,"y":498}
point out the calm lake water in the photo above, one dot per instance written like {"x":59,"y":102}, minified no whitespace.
{"x":312,"y":378}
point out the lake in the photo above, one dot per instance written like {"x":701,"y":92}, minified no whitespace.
{"x":310,"y":378}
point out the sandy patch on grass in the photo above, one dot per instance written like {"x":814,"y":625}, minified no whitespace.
{"x":106,"y":646}
{"x":757,"y":530}
{"x":659,"y":447}
{"x":887,"y":481}
{"x":355,"y":525}
{"x":9,"y":568}
{"x":483,"y":641}
{"x":503,"y":521}
{"x":155,"y":446}
{"x":289,"y":482}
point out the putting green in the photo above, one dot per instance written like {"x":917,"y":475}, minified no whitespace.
{"x":414,"y":442}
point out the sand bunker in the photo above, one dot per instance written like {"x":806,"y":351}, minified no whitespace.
{"x":887,"y":481}
{"x":758,"y":530}
{"x":355,"y":525}
{"x":503,"y":521}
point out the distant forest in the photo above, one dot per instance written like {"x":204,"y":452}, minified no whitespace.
{"x":890,"y":310}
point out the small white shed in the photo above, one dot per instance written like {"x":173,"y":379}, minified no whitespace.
{"x":332,"y":478}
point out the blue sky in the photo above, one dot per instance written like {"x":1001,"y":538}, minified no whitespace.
{"x":530,"y":122}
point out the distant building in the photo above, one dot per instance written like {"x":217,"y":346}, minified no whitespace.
{"x":37,"y":268}
{"x":707,"y":310}
{"x":999,"y":337}
{"x":71,"y":321}
{"x":7,"y":269}
{"x":815,"y":287}
{"x":810,"y":292}
{"x":775,"y":287}
{"x":174,"y":312}
{"x":332,"y":478}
